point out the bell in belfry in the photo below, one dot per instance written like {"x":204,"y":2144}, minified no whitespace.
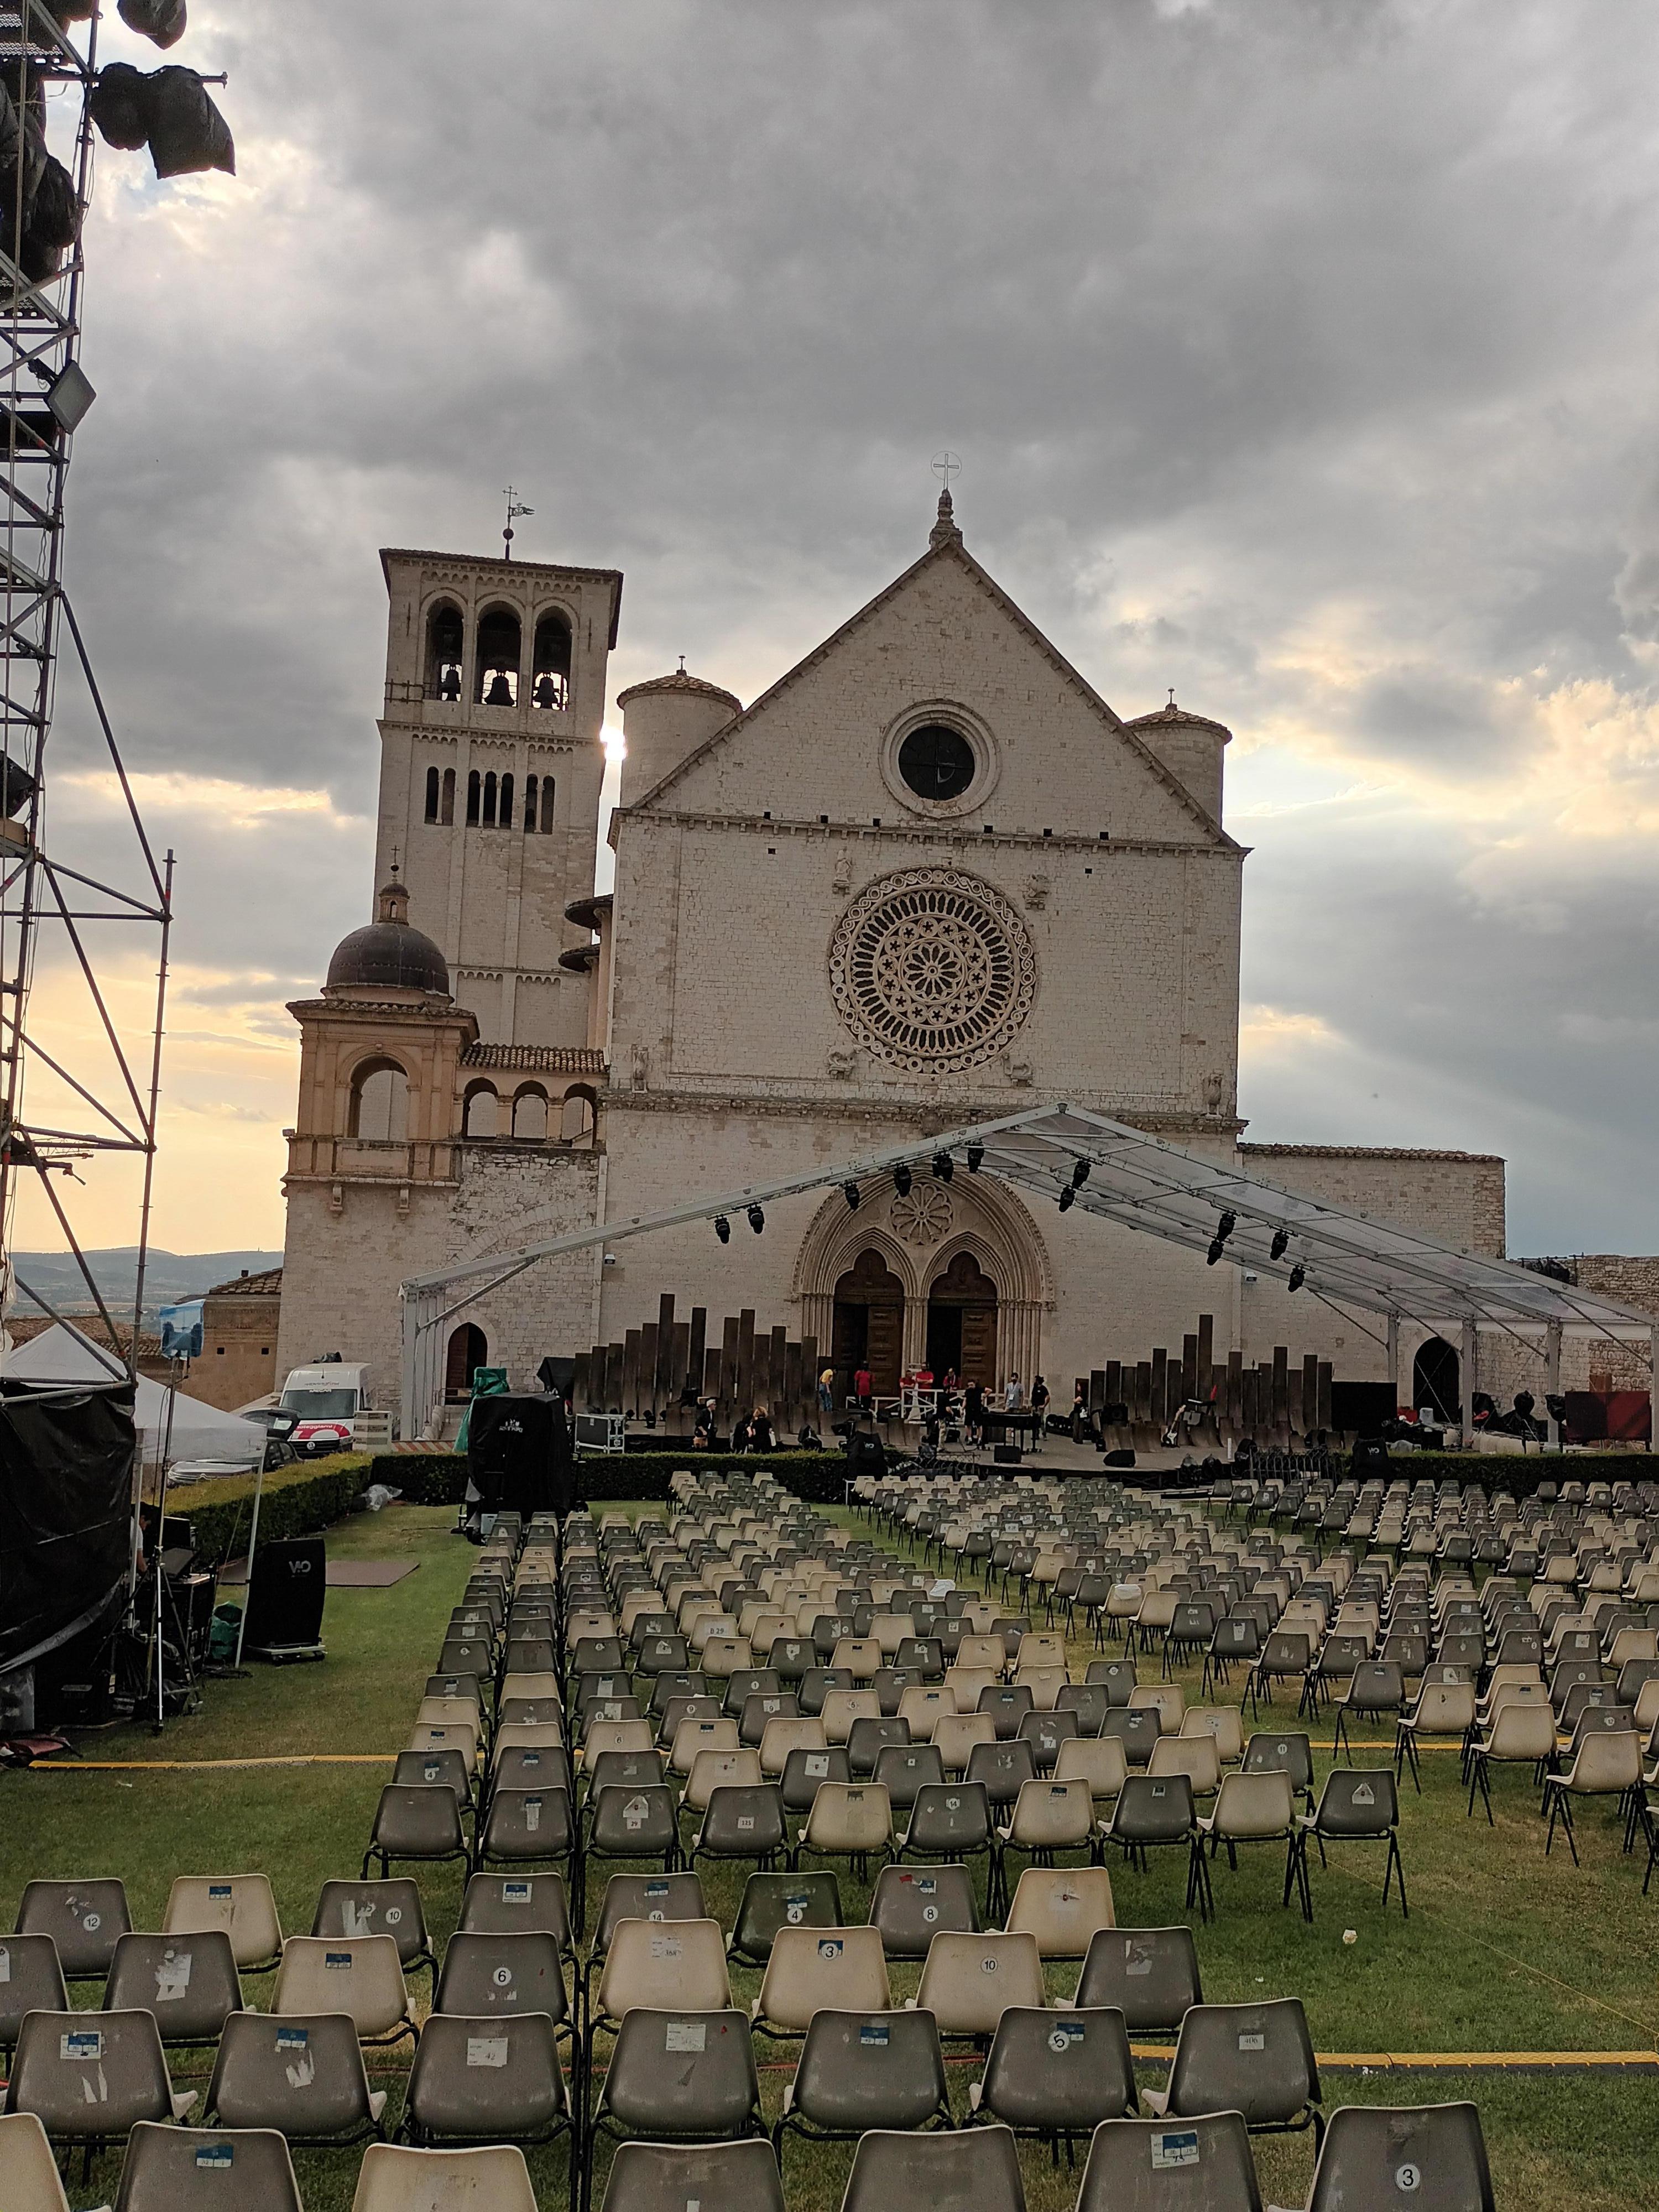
{"x":450,"y":685}
{"x":499,"y":692}
{"x":545,"y":694}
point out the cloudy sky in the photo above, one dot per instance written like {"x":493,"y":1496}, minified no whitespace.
{"x":1301,"y":355}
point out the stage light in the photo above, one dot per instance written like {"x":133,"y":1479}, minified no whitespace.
{"x":901,"y":1180}
{"x":849,"y":1191}
{"x":1067,"y":1199}
{"x":722,"y":1229}
{"x":1226,"y":1226}
{"x":1281,"y":1245}
{"x":70,"y":395}
{"x":1079,"y":1174}
{"x":976,"y":1154}
{"x":1218,"y":1246}
{"x":944,"y":1167}
{"x":1299,"y":1276}
{"x":757,"y":1220}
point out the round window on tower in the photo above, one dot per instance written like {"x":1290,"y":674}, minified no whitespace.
{"x":937,"y":762}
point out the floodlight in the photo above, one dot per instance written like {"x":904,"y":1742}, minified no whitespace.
{"x":757,"y":1220}
{"x":850,"y":1192}
{"x":722,"y":1229}
{"x":1299,"y":1276}
{"x":70,"y":395}
{"x":944,"y":1167}
{"x":1080,"y":1173}
{"x":1218,"y":1246}
{"x":1067,"y":1199}
{"x":1226,"y":1226}
{"x":1280,"y":1245}
{"x":975,"y":1155}
{"x":901,"y":1180}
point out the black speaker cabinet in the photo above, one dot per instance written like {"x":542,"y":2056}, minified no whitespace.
{"x":1007,"y":1454}
{"x":518,"y":1455}
{"x":287,"y":1586}
{"x":865,"y":1454}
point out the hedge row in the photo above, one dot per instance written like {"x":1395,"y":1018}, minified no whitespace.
{"x":296,"y":1501}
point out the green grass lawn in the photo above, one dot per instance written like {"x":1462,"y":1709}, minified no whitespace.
{"x":1503,"y":1952}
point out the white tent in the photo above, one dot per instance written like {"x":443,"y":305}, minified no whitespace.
{"x":61,"y":1355}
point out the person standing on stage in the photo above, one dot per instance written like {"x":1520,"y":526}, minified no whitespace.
{"x":1014,"y":1396}
{"x":973,"y":1414}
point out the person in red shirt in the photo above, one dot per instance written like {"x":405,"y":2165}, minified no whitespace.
{"x":863,"y":1388}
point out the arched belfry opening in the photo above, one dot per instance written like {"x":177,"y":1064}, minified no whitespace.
{"x":869,"y":1324}
{"x":1437,"y":1380}
{"x":961,"y":1323}
{"x":445,"y":646}
{"x":500,"y":646}
{"x":550,"y":677}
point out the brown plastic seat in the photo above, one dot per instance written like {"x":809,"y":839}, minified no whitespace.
{"x":671,"y":2177}
{"x":673,"y":2076}
{"x":496,"y":1975}
{"x":416,"y":1820}
{"x":189,"y":1982}
{"x":31,"y":1980}
{"x":84,"y":1919}
{"x":1254,"y":2059}
{"x":859,"y":2071}
{"x":203,"y":2170}
{"x":89,"y":2077}
{"x":774,"y":1901}
{"x":1148,"y":1974}
{"x":969,"y":2170}
{"x":489,"y":2080}
{"x":912,"y":1905}
{"x":1200,"y":2165}
{"x":304,"y":2077}
{"x":508,"y":1903}
{"x":1376,"y":2158}
{"x":1056,"y":2074}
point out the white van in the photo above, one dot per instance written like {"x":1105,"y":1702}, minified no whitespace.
{"x":327,"y":1399}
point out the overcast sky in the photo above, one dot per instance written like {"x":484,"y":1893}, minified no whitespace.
{"x":1301,"y":355}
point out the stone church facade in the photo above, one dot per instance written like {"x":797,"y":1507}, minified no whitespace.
{"x":930,"y":877}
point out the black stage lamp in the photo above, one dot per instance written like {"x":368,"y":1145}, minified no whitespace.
{"x":1299,"y":1276}
{"x":976,"y":1154}
{"x":722,"y":1229}
{"x":944,"y":1167}
{"x":1555,"y":1406}
{"x":849,"y":1191}
{"x":1280,"y":1245}
{"x":901,"y":1180}
{"x":1226,"y":1226}
{"x":757,"y":1220}
{"x":1218,"y":1246}
{"x":1067,"y":1198}
{"x":1079,"y":1174}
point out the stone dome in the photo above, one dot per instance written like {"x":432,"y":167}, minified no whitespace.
{"x":1173,"y":717}
{"x":387,"y":954}
{"x":681,"y":685}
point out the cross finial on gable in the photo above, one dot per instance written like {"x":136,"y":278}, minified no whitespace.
{"x":945,"y":530}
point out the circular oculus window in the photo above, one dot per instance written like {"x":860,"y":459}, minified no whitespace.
{"x":932,"y":970}
{"x":937,"y":762}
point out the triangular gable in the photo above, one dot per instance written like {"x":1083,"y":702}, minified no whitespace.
{"x":951,"y":549}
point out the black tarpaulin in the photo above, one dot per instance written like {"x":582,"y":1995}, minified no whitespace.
{"x":66,"y":1457}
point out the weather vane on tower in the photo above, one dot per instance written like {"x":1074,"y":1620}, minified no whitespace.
{"x":514,"y":508}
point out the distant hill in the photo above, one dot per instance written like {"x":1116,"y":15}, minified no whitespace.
{"x":168,"y":1276}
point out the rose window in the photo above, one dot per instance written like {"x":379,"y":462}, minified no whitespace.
{"x":932,"y":970}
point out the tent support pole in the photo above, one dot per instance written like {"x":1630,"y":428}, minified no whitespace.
{"x":1470,"y":1339}
{"x":1552,"y":1378}
{"x":1394,"y":1359}
{"x":253,"y":1542}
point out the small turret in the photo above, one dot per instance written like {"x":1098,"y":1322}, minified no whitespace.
{"x":1190,"y":746}
{"x":664,"y":722}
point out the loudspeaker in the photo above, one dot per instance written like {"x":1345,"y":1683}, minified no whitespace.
{"x":865,"y":1454}
{"x":287,"y":1586}
{"x":517,"y":1455}
{"x":1007,"y":1454}
{"x":1122,"y":1457}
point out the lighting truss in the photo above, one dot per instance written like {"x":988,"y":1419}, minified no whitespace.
{"x":1140,"y":1183}
{"x":102,"y":1099}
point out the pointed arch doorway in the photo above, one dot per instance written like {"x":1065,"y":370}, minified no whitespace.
{"x":961,"y":1323}
{"x":869,"y":1324}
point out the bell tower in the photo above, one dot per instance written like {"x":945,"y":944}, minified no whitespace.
{"x":491,"y":761}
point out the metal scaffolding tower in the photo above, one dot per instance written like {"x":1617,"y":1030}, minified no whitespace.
{"x":94,"y":1091}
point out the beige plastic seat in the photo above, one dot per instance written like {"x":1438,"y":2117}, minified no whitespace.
{"x":693,"y":1737}
{"x":1051,"y":1816}
{"x":968,"y":1981}
{"x":987,"y":1652}
{"x":1042,"y":1648}
{"x":966,"y":1685}
{"x":1062,"y":1907}
{"x":720,"y":1770}
{"x":1195,"y":1756}
{"x":240,"y":1905}
{"x":1168,"y":1699}
{"x":29,"y":2172}
{"x":1607,"y":1764}
{"x":452,"y":1736}
{"x":1044,"y":1683}
{"x":1224,"y":1723}
{"x":955,"y":1735}
{"x":788,"y":1733}
{"x":616,"y":1735}
{"x":860,"y":1654}
{"x":1522,"y":1733}
{"x":530,"y":1682}
{"x":842,"y":1707}
{"x":1099,"y":1760}
{"x":821,"y":1969}
{"x":667,"y":1966}
{"x":393,"y":2178}
{"x":360,"y":1976}
{"x":848,"y":1819}
{"x":525,"y":1736}
{"x":441,"y":1713}
{"x":924,"y":1705}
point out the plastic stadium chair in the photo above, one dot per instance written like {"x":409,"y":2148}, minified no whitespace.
{"x":31,"y":1980}
{"x":506,"y":1903}
{"x":1256,"y":2059}
{"x":486,"y":2081}
{"x":380,"y":1908}
{"x":1148,"y":1974}
{"x":676,"y":2077}
{"x":189,"y":1982}
{"x":1056,"y":2074}
{"x":912,"y":1905}
{"x":395,"y":2179}
{"x":29,"y":2180}
{"x":1063,"y":1907}
{"x":669,"y":2177}
{"x":844,"y":1969}
{"x":1201,"y":2164}
{"x":240,"y":1904}
{"x":859,"y":2071}
{"x":773,"y":1901}
{"x":968,"y":1981}
{"x":201,"y":2170}
{"x":1376,"y":2158}
{"x":83,"y":1918}
{"x":302,"y":2077}
{"x":975,"y":2170}
{"x":360,"y":1975}
{"x":502,"y":1975}
{"x":89,"y":2077}
{"x":416,"y":1820}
